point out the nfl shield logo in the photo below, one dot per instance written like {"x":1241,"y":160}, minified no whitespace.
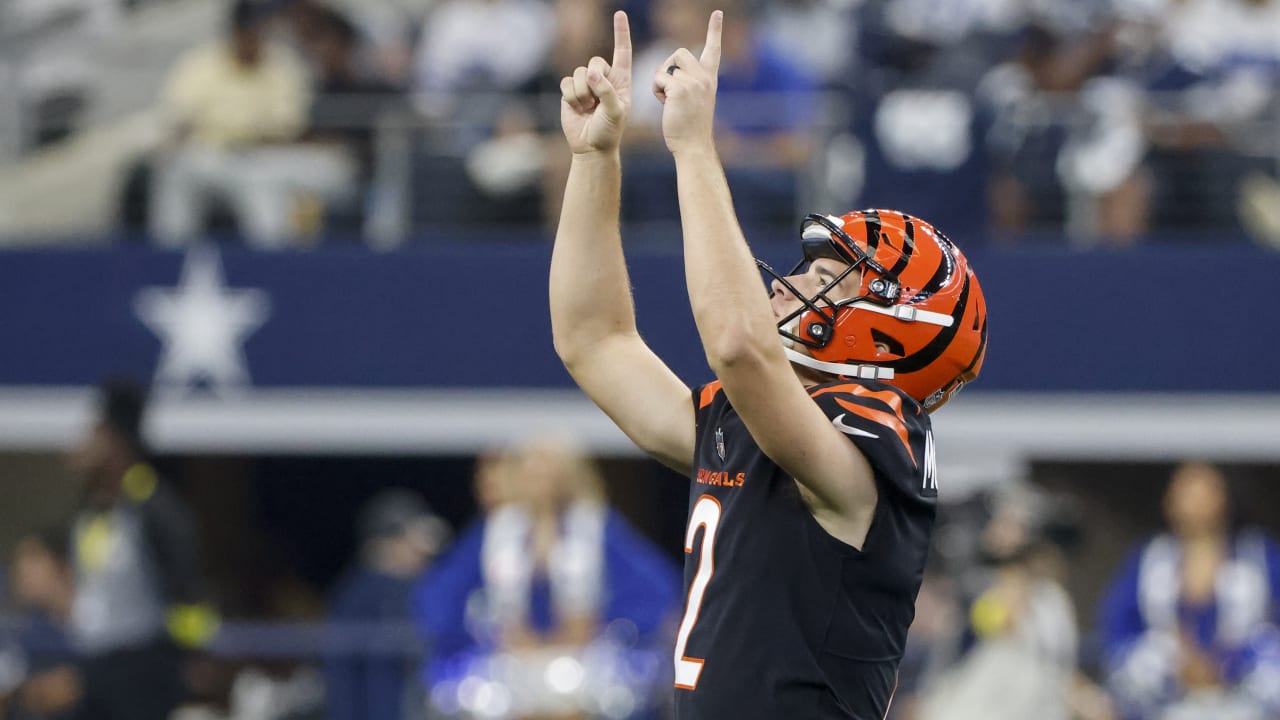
{"x":720,"y":443}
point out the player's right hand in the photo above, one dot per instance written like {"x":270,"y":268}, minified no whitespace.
{"x":595,"y":100}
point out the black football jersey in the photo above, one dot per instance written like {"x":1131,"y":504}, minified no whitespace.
{"x":782,"y":620}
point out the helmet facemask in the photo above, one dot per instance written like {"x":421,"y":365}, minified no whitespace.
{"x":813,"y":324}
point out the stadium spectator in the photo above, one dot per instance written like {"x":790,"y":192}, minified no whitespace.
{"x":1189,"y":624}
{"x":916,"y":126}
{"x":139,"y":594}
{"x":557,"y":582}
{"x":1106,"y":164}
{"x":47,"y":52}
{"x":551,"y":534}
{"x":1211,"y":74}
{"x":821,"y":34}
{"x":50,"y":685}
{"x":371,"y":675}
{"x":517,"y":168}
{"x":1023,"y":192}
{"x":481,"y":157}
{"x":1019,"y":649}
{"x":390,"y":30}
{"x":491,"y":481}
{"x":348,"y":108}
{"x":235,"y":106}
{"x":472,"y":51}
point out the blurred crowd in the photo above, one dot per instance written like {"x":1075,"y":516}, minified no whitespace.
{"x":1186,"y":627}
{"x":383,"y":121}
{"x":549,"y":604}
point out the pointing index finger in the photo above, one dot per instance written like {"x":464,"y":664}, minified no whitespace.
{"x":621,"y":42}
{"x":711,"y":52}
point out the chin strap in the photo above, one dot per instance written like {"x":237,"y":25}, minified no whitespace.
{"x":906,"y":313}
{"x":867,"y":372}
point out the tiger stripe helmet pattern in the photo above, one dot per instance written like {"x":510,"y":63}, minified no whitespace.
{"x":918,"y":320}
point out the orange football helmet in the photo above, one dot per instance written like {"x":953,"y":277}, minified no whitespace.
{"x":918,"y":320}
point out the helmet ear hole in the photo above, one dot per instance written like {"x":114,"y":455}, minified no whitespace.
{"x":891,"y":344}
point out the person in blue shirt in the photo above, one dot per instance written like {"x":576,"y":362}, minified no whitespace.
{"x":1189,"y":623}
{"x":373,"y":650}
{"x":47,"y":684}
{"x":550,"y":574}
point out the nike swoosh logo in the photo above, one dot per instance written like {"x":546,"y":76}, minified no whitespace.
{"x":838,"y":421}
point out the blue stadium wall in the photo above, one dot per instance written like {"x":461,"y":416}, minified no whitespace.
{"x":443,"y":331}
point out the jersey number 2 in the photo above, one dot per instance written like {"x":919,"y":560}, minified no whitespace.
{"x":706,"y":514}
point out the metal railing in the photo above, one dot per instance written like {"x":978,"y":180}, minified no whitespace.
{"x":451,"y":172}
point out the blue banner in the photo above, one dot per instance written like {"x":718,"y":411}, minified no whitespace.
{"x":1152,"y":319}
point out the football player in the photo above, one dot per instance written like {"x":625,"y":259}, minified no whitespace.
{"x":810,"y":457}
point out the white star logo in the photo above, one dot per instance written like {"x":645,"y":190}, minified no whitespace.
{"x":202,"y":326}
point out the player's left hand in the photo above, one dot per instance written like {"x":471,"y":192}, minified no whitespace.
{"x":686,"y":87}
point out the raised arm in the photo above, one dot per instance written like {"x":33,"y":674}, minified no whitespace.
{"x":733,"y":314}
{"x":592,"y":316}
